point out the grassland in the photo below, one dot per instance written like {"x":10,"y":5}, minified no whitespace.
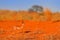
{"x":25,"y":25}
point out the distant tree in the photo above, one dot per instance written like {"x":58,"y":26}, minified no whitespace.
{"x":36,"y":8}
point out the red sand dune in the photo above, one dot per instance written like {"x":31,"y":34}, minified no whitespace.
{"x":33,"y":27}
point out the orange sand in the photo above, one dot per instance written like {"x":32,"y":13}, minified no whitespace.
{"x":46,"y":28}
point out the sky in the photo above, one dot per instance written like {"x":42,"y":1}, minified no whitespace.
{"x":53,"y":5}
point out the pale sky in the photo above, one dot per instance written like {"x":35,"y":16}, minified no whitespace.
{"x":53,"y":5}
